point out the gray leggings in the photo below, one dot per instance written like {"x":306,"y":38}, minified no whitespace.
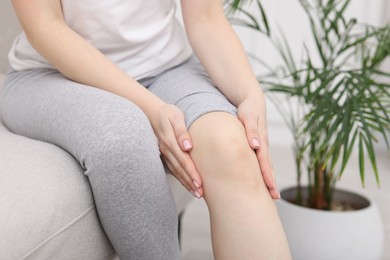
{"x":113,"y":141}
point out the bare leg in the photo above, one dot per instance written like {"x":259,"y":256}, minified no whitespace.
{"x":244,"y":220}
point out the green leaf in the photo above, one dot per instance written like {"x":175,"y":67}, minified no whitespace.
{"x":361,"y":159}
{"x":235,"y":4}
{"x":347,"y":152}
{"x":371,"y":156}
{"x":286,"y":53}
{"x":254,"y":25}
{"x":367,"y":138}
{"x":264,"y":18}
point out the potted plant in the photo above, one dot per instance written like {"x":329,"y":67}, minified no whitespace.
{"x":342,"y":101}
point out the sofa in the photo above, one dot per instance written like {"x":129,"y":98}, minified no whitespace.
{"x":46,"y":205}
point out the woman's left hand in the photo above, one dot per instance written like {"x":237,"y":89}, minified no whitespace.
{"x":252,"y":114}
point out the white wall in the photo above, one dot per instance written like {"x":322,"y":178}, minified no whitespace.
{"x":9,"y":28}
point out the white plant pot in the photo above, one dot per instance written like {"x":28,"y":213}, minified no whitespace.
{"x":318,"y":234}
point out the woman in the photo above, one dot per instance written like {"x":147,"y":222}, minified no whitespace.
{"x":115,"y":84}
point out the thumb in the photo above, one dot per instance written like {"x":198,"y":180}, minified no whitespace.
{"x":181,"y":133}
{"x":252,"y":132}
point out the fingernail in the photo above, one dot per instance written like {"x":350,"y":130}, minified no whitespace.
{"x":278,"y":195}
{"x":195,"y":194}
{"x":196,"y":184}
{"x":187,"y":145}
{"x":255,"y":143}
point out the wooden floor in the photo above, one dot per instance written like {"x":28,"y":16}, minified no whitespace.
{"x":196,"y":243}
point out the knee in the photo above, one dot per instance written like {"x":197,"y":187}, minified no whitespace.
{"x":237,"y":161}
{"x":229,"y":145}
{"x":224,"y":153}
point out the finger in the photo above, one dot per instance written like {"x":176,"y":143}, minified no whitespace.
{"x":185,"y":162}
{"x":183,"y":139}
{"x":182,"y":164}
{"x":181,"y":133}
{"x":252,"y":132}
{"x":265,"y":163}
{"x":176,"y":168}
{"x":178,"y":176}
{"x":267,"y":172}
{"x":183,"y":178}
{"x":275,"y":194}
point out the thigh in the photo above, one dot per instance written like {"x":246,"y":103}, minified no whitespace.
{"x":41,"y":104}
{"x":189,"y":87}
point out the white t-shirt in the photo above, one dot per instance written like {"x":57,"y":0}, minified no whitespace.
{"x":143,"y":37}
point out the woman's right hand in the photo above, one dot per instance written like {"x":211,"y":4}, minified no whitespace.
{"x":175,"y":143}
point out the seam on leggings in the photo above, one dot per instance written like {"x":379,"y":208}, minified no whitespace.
{"x":47,"y":240}
{"x":191,"y":120}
